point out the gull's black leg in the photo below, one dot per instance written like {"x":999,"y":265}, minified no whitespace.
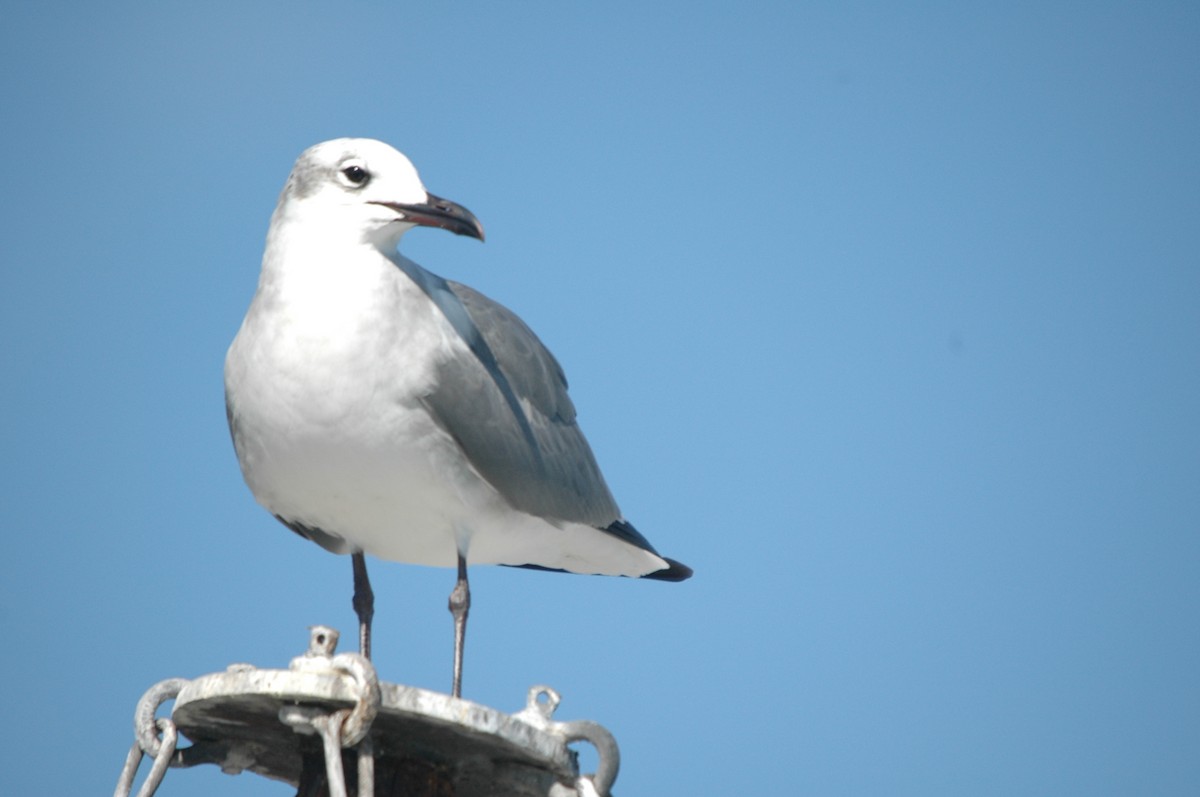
{"x":364,"y":602}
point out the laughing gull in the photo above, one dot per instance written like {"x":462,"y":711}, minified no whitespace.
{"x":379,"y":409}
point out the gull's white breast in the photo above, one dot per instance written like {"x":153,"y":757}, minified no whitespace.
{"x":324,"y":382}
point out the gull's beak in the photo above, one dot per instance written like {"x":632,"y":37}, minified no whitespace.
{"x":438,"y":212}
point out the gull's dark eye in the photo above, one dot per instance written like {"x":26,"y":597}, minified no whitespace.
{"x":357,"y":175}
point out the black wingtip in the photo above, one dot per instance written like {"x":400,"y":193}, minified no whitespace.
{"x":677,"y":571}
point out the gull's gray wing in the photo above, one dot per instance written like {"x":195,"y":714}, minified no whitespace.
{"x":508,"y":409}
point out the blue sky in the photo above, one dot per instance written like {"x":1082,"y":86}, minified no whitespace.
{"x":882,"y":319}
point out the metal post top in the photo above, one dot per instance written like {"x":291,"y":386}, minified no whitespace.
{"x":251,"y":719}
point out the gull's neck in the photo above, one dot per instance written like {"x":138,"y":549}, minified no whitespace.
{"x":324,"y":267}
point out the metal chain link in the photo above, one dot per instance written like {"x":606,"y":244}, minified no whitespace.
{"x":330,"y":727}
{"x":370,"y":697}
{"x":344,"y":728}
{"x":540,"y":704}
{"x":146,"y":729}
{"x":606,"y":746}
{"x":366,"y":768}
{"x":162,"y":760}
{"x":144,"y":726}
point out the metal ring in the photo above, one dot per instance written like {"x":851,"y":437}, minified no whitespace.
{"x":162,"y":759}
{"x":606,"y":747}
{"x":543,"y":709}
{"x":358,"y":723}
{"x":145,"y":728}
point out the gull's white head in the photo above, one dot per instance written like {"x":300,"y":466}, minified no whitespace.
{"x":367,"y":189}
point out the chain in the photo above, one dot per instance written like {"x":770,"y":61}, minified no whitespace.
{"x":162,"y":760}
{"x":145,"y":728}
{"x":344,"y":727}
{"x":146,"y":742}
{"x":606,"y":746}
{"x":539,"y":712}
